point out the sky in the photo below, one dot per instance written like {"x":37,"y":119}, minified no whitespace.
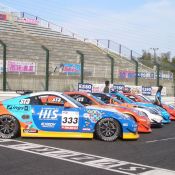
{"x":136,"y":24}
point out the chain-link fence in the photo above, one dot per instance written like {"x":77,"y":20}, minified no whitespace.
{"x":27,"y":68}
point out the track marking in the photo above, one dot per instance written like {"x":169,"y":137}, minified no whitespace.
{"x":153,"y":141}
{"x":90,"y":160}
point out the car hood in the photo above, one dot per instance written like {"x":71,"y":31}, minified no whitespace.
{"x":144,"y":104}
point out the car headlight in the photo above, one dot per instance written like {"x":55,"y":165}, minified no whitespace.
{"x":140,"y":113}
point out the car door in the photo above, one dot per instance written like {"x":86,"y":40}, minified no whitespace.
{"x":51,"y":115}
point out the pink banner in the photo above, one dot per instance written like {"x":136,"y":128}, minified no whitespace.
{"x":3,"y":17}
{"x":28,"y":20}
{"x":22,"y":67}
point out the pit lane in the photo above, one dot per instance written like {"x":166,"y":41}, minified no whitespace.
{"x":156,"y":150}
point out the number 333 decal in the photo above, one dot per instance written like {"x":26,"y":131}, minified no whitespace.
{"x":70,"y":120}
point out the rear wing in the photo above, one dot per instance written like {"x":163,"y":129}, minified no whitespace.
{"x":24,"y":92}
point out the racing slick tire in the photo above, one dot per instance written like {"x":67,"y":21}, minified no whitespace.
{"x":9,"y":127}
{"x":108,"y":129}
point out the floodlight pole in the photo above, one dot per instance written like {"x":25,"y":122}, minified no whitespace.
{"x":157,"y":65}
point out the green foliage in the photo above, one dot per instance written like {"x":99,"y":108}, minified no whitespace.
{"x":164,"y":60}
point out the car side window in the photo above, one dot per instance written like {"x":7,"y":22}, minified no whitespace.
{"x":44,"y":100}
{"x":132,"y":98}
{"x":106,"y":99}
{"x":32,"y":101}
{"x":82,"y":99}
{"x":52,"y":100}
{"x":120,"y":98}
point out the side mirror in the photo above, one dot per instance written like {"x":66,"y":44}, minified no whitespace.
{"x":67,"y":105}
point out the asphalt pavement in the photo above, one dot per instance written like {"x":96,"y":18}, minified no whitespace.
{"x":156,"y":149}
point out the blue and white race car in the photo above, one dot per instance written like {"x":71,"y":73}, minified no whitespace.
{"x":53,"y":114}
{"x":160,"y":111}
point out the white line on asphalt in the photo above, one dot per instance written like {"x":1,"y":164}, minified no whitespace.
{"x":153,"y":141}
{"x":90,"y":160}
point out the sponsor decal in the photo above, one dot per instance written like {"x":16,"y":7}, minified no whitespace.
{"x":48,"y":114}
{"x":86,"y":129}
{"x":70,"y":120}
{"x":17,"y":108}
{"x":48,"y":125}
{"x":29,"y":125}
{"x":100,"y":162}
{"x":25,"y":117}
{"x":30,"y":131}
{"x":94,"y":115}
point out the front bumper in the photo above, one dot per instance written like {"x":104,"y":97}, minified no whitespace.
{"x":166,"y":121}
{"x":144,"y":127}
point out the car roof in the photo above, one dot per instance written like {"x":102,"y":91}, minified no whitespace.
{"x":46,"y":93}
{"x":77,"y":92}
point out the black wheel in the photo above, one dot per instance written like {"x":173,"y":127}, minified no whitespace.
{"x":9,"y":127}
{"x":108,"y":129}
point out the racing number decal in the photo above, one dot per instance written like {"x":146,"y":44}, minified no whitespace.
{"x":24,"y":101}
{"x":70,"y":120}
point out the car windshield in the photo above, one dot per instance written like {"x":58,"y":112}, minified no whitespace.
{"x":98,"y":100}
{"x":145,"y":98}
{"x":72,"y":100}
{"x":124,"y":98}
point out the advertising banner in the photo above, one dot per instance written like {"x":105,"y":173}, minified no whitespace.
{"x":100,"y":87}
{"x":146,"y":90}
{"x":118,"y":87}
{"x":3,"y":17}
{"x":126,"y":74}
{"x":85,"y":87}
{"x":20,"y":67}
{"x":70,"y":69}
{"x":149,"y":75}
{"x":28,"y":20}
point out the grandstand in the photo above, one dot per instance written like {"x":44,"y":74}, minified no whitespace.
{"x":24,"y":40}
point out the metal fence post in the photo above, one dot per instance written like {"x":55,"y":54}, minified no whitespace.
{"x":47,"y":68}
{"x":112,"y":68}
{"x":120,"y":49}
{"x":136,"y":69}
{"x":158,"y":71}
{"x":108,"y":44}
{"x":4,"y":64}
{"x":82,"y":65}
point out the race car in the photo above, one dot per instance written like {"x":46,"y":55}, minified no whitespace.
{"x":153,"y":115}
{"x":54,"y":114}
{"x":124,"y":99}
{"x":88,"y":99}
{"x":141,"y":98}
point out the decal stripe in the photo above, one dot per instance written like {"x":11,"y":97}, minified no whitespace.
{"x":100,"y":162}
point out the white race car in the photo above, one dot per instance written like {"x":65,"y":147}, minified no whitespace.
{"x":153,"y":115}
